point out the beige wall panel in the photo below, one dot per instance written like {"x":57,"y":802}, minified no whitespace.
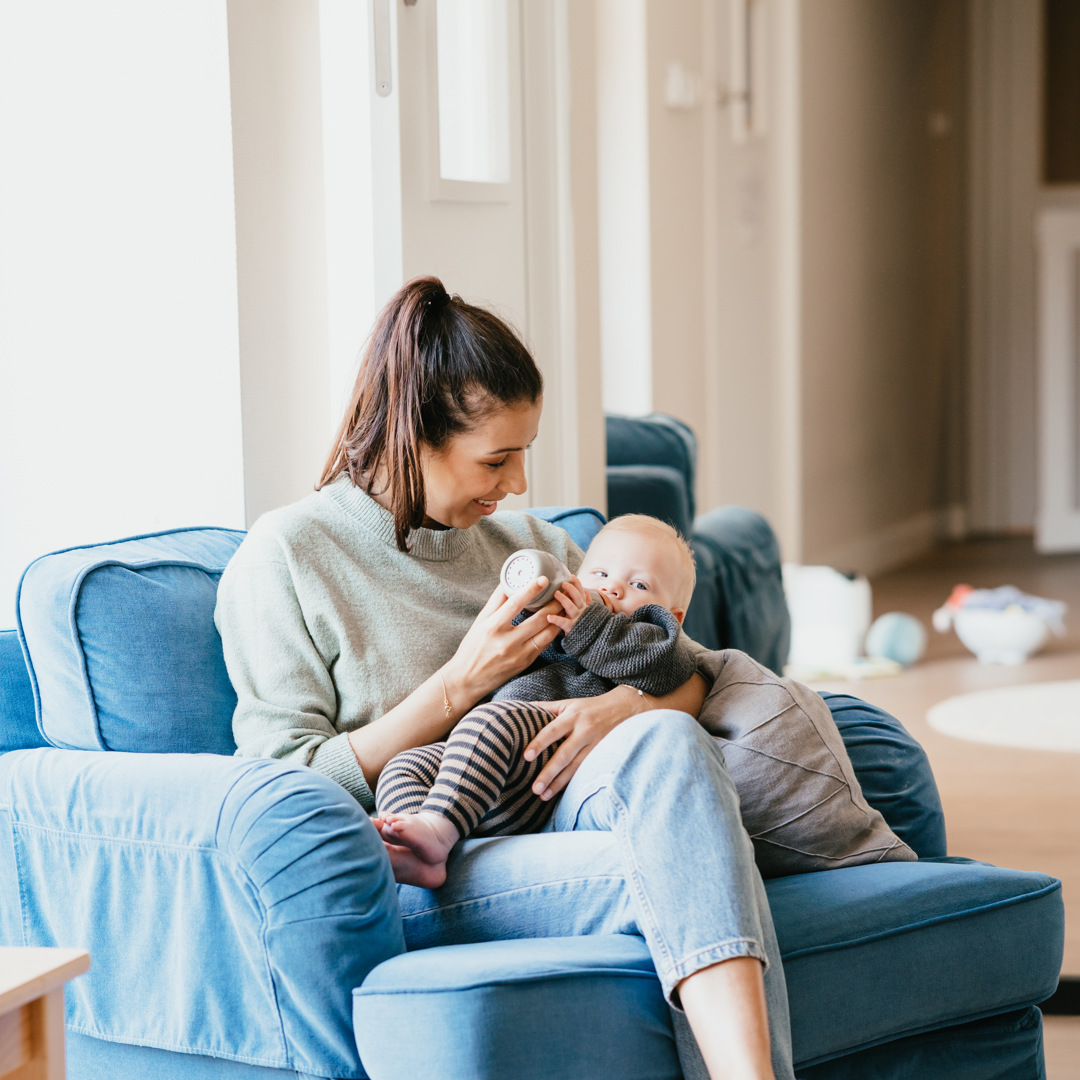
{"x":674,"y":35}
{"x":739,"y":461}
{"x":871,"y":394}
{"x":592,"y":452}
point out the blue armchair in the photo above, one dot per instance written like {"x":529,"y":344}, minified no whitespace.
{"x":242,"y":921}
{"x":738,"y":600}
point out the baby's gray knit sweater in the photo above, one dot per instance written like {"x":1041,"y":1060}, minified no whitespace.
{"x":646,"y":650}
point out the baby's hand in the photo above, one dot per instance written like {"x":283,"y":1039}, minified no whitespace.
{"x":574,"y":600}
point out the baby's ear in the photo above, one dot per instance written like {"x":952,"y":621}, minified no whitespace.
{"x":679,"y":614}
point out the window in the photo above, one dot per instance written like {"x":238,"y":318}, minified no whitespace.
{"x":474,"y":90}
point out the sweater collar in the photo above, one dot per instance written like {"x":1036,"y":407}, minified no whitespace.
{"x":435,"y":545}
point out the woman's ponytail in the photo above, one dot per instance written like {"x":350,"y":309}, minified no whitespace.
{"x":434,"y":367}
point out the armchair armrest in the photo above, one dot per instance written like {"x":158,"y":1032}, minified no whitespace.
{"x":230,"y":906}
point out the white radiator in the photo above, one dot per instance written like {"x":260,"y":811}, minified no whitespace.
{"x":1058,"y":513}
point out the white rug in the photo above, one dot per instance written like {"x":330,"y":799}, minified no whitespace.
{"x":1038,"y":716}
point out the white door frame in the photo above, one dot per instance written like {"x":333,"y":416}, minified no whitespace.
{"x":1058,"y":516}
{"x":564,"y":466}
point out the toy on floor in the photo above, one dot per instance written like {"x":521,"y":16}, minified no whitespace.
{"x":1000,"y":626}
{"x":896,"y":636}
{"x":830,"y":617}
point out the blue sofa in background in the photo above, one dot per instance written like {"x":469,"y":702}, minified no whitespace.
{"x":243,"y":923}
{"x":738,"y":600}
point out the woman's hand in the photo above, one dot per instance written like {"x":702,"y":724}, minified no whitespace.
{"x":493,"y":650}
{"x":581,"y":723}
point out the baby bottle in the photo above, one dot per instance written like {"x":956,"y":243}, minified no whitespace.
{"x":523,"y":567}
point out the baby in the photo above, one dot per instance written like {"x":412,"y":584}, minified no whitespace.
{"x":621,"y":624}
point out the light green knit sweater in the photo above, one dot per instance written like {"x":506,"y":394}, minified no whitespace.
{"x":327,"y":626}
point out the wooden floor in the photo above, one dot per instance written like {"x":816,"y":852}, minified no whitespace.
{"x":1011,"y":807}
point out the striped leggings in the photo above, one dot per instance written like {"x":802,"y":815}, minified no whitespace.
{"x":477,"y":777}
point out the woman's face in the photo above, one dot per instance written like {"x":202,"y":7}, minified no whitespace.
{"x":466,"y":479}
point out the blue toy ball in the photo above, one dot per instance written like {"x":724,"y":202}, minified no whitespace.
{"x":896,"y":636}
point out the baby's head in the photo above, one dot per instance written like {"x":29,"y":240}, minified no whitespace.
{"x":637,"y":560}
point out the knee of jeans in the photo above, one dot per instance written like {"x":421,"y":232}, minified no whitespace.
{"x":667,"y":728}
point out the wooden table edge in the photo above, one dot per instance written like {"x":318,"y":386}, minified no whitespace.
{"x":69,"y":963}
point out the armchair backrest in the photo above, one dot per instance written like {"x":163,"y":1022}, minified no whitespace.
{"x":121,"y":646}
{"x":122,"y":651}
{"x":656,"y":440}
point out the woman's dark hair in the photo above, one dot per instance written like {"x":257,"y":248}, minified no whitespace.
{"x":434,"y":367}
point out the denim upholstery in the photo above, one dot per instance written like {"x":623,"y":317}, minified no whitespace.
{"x":897,"y":934}
{"x":753,"y":615}
{"x":89,"y":1058}
{"x":18,"y":724}
{"x":738,"y":600}
{"x":894,"y":773}
{"x":117,"y":633}
{"x":1006,"y":1046}
{"x":656,"y":439}
{"x":657,"y":490}
{"x":230,"y":906}
{"x":488,"y":1012}
{"x":902,"y":936}
{"x":581,"y":522}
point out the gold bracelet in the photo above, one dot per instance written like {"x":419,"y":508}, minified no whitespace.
{"x":448,"y":709}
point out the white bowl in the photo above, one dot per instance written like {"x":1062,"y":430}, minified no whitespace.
{"x":1000,"y":637}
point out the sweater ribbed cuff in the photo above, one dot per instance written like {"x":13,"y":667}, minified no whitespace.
{"x":335,"y":759}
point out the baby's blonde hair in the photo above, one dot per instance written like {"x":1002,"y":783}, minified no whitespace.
{"x":638,"y":523}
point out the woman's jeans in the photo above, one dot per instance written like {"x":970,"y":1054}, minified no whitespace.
{"x":646,"y":839}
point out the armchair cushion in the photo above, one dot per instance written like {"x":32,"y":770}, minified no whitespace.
{"x":527,"y":1009}
{"x":894,"y":773}
{"x":121,"y":644}
{"x":871,"y":954}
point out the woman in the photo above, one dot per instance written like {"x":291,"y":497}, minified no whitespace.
{"x":358,"y":623}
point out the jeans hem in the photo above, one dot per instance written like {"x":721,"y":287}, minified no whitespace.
{"x":703,"y":958}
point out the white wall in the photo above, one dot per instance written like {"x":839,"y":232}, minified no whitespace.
{"x":623,"y":207}
{"x":119,"y":377}
{"x":281,"y":248}
{"x":348,"y":180}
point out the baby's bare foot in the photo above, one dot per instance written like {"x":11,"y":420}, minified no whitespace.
{"x":418,"y":845}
